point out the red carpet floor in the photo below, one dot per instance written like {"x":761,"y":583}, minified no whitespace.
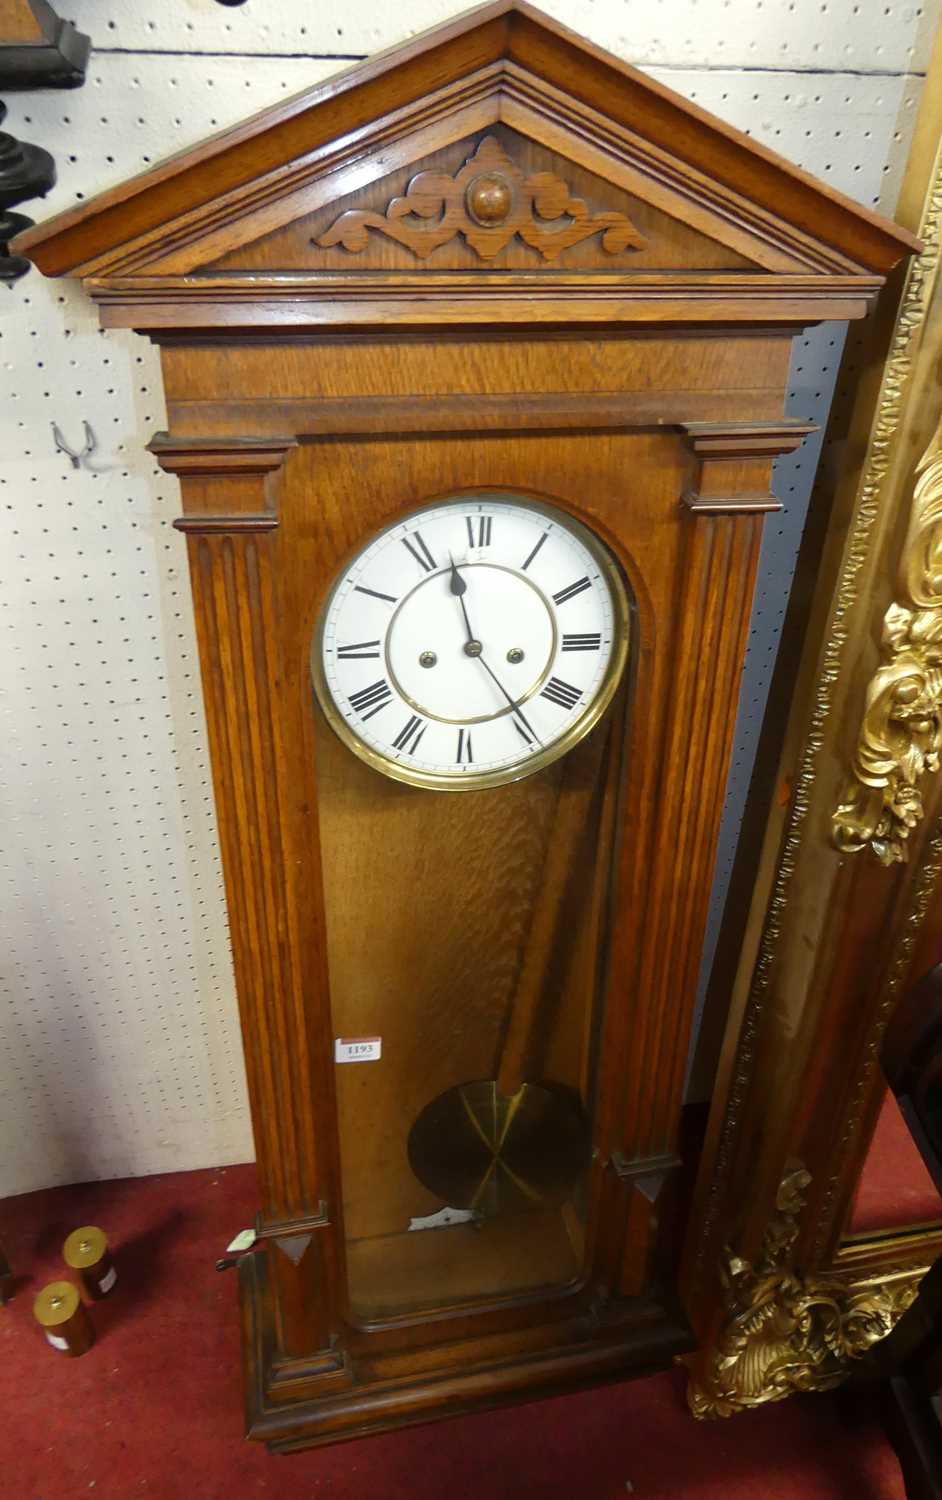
{"x":155,"y":1408}
{"x":895,"y":1187}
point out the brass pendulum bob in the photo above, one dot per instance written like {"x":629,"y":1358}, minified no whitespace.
{"x":477,"y":1149}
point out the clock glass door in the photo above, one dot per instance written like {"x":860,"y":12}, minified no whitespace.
{"x":467,"y":933}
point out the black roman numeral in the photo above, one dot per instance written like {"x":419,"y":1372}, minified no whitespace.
{"x":464,"y":756}
{"x":561,"y":692}
{"x":362,"y":651}
{"x":373,"y":593}
{"x":369,"y":700}
{"x":535,"y":551}
{"x":409,"y":735}
{"x":483,"y":530}
{"x":586,"y":642}
{"x":420,"y":552}
{"x":572,"y":590}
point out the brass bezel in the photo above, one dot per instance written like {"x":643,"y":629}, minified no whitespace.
{"x":469,"y":782}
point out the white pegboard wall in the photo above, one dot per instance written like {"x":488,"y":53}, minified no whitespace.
{"x":119,"y":1046}
{"x":854,"y":36}
{"x":119,"y":1050}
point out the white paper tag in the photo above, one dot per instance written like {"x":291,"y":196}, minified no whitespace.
{"x":56,"y":1341}
{"x":107,"y":1282}
{"x":444,"y":1219}
{"x":243,"y":1241}
{"x":358,"y":1048}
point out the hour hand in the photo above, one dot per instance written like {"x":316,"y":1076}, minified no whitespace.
{"x":458,"y":587}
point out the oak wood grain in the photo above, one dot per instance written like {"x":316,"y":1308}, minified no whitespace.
{"x":301,"y":243}
{"x":691,"y":577}
{"x":300,"y":305}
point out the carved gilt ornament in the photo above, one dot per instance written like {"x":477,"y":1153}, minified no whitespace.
{"x":489,"y":201}
{"x":900,"y":738}
{"x":785,"y":1332}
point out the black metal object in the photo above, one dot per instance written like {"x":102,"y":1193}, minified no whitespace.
{"x":26,"y":171}
{"x":76,"y":457}
{"x":59,"y":62}
{"x":12,"y":267}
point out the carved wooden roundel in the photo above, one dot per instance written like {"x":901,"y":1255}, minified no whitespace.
{"x":489,"y":198}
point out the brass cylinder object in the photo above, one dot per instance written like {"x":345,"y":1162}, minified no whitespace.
{"x":86,"y":1252}
{"x":61,"y":1314}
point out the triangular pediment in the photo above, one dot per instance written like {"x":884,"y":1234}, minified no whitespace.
{"x":496,"y":199}
{"x":499,"y":141}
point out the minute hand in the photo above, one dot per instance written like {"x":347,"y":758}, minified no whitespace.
{"x":512,"y":701}
{"x":459,"y":587}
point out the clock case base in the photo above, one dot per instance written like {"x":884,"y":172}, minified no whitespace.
{"x":292,"y":1404}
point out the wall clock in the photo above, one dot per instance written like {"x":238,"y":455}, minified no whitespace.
{"x":475,"y":362}
{"x":465,"y":674}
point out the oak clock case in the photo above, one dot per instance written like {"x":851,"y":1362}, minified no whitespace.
{"x":493,"y":276}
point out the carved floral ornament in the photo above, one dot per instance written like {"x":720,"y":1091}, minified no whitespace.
{"x":900,"y":737}
{"x":785,"y":1332}
{"x":489,"y":201}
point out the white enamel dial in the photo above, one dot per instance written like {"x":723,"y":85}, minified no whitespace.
{"x":472,"y":643}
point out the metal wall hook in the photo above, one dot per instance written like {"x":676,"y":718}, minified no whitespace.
{"x":76,"y":459}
